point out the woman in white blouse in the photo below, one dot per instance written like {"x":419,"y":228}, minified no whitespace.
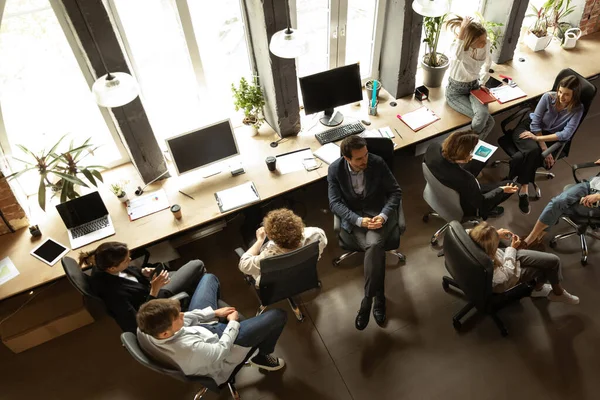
{"x":470,"y":61}
{"x":512,"y":266}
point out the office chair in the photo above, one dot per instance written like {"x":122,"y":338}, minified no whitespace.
{"x":285,"y":276}
{"x":582,"y":224}
{"x":445,"y":203}
{"x":384,"y":148}
{"x":472,"y":272}
{"x":558,"y":149}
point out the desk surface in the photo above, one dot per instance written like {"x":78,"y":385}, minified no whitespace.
{"x":535,"y":76}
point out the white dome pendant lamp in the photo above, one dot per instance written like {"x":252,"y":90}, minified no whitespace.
{"x":288,"y":43}
{"x":431,"y":8}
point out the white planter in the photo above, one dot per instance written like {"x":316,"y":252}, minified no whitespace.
{"x":123,"y":198}
{"x":251,"y":130}
{"x":537,"y":43}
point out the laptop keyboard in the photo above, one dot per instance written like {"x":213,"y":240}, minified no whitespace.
{"x":89,"y":227}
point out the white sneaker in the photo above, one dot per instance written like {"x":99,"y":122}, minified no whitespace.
{"x":543,"y":292}
{"x":566,"y":297}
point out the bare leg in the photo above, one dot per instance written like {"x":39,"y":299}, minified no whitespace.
{"x":537,"y":233}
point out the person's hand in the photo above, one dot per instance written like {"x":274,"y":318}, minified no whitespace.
{"x":515,"y":242}
{"x":504,"y":233}
{"x":147,"y":272}
{"x":233,"y":316}
{"x":528,"y":135}
{"x":510,"y":188}
{"x":223,"y":312}
{"x":375,"y":225}
{"x":365,"y":222}
{"x":158,"y":282}
{"x":589,"y":200}
{"x":261,"y":234}
{"x":549,"y":161}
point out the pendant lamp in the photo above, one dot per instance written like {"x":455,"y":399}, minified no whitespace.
{"x":431,"y":8}
{"x":288,"y":43}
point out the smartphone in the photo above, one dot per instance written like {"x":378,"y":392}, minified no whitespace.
{"x":492,"y":82}
{"x":158,"y":269}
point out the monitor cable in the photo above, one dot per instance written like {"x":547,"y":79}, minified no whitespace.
{"x":140,"y":190}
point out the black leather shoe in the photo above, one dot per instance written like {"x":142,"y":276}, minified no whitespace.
{"x":496,"y":212}
{"x":379,"y":310}
{"x":362,"y":319}
{"x":524,"y":204}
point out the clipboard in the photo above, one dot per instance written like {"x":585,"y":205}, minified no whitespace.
{"x":237,"y":196}
{"x":419,"y":118}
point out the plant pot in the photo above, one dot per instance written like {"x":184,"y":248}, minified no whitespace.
{"x":250,"y":123}
{"x":122,"y":197}
{"x":369,"y":87}
{"x":537,"y":43}
{"x":433,"y":76}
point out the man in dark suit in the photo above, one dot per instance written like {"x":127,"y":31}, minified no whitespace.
{"x":365,"y":195}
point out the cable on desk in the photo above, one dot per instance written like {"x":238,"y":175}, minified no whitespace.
{"x":32,"y":296}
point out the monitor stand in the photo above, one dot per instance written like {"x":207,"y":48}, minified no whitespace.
{"x":211,"y":170}
{"x":331,"y":117}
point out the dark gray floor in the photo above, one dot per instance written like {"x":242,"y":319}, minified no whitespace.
{"x":553,"y":351}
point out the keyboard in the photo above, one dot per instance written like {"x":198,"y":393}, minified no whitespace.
{"x":90,"y":227}
{"x":338,"y":133}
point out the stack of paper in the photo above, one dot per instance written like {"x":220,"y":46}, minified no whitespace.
{"x":237,"y":196}
{"x":7,"y":270}
{"x":507,"y":93}
{"x":293,"y":161}
{"x":419,"y":118}
{"x":483,"y":151}
{"x":328,"y":153}
{"x":385,"y":132}
{"x":146,"y":205}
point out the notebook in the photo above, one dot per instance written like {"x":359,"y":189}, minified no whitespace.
{"x":147,"y":204}
{"x":507,"y":93}
{"x":483,"y":96}
{"x":237,"y":196}
{"x":419,"y":118}
{"x":328,"y":152}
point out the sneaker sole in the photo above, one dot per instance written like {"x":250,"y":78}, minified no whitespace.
{"x":268,"y":368}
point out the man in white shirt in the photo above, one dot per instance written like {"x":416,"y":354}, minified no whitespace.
{"x":286,"y":232}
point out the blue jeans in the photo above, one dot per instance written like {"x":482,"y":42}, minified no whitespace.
{"x":459,"y":97}
{"x":261,"y":332}
{"x":567,"y":202}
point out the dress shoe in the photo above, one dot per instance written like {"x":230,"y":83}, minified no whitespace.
{"x":379,"y":310}
{"x":362,"y":319}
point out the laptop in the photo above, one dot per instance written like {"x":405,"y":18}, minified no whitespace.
{"x":86,"y":218}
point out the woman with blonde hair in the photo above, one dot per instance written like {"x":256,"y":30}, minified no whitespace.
{"x":286,"y":232}
{"x":512,"y":266}
{"x":470,"y":61}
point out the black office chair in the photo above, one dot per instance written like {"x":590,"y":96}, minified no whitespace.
{"x":582,"y":224}
{"x":285,"y":276}
{"x":130,"y":342}
{"x":558,"y":149}
{"x":472,"y":271}
{"x":384,"y":148}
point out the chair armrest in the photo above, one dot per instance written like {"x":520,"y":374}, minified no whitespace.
{"x":337,"y":223}
{"x":239,"y":251}
{"x":582,"y":166}
{"x":552,"y":148}
{"x":401,"y":219}
{"x":183,"y":298}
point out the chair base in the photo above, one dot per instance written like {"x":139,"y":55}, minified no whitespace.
{"x":537,"y":192}
{"x":200,"y":393}
{"x":436,"y":236}
{"x":295,"y":309}
{"x":336,"y":261}
{"x":456,"y":319}
{"x":234,"y":393}
{"x":582,"y":237}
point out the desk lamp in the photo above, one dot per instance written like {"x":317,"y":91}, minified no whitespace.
{"x":288,"y":43}
{"x":431,"y":8}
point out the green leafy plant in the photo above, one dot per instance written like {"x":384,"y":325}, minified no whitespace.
{"x":249,"y":97}
{"x":433,"y":28}
{"x":60,"y":172}
{"x":560,"y":9}
{"x":118,"y":188}
{"x":542,"y":18}
{"x":493,"y":31}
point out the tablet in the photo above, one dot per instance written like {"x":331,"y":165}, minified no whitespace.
{"x":50,"y":251}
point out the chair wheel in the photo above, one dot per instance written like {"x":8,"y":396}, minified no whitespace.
{"x":583,"y":262}
{"x":550,"y":176}
{"x":456,"y":324}
{"x":445,"y":285}
{"x":552,"y":243}
{"x":433,"y":242}
{"x":319,"y":285}
{"x":426,"y":218}
{"x":335,"y":263}
{"x":504,"y":332}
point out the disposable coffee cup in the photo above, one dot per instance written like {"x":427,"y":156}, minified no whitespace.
{"x":271,"y":163}
{"x":176,"y":210}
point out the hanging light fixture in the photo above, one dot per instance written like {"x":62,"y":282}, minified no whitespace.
{"x":288,"y":43}
{"x":431,"y":8}
{"x":113,"y":89}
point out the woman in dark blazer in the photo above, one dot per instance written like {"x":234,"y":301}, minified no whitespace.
{"x":124,"y":288}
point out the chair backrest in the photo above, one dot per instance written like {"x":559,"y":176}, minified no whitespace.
{"x":288,"y":274}
{"x":468,"y":264}
{"x":384,"y":148}
{"x":588,"y":92}
{"x":78,"y":278}
{"x":442,"y":199}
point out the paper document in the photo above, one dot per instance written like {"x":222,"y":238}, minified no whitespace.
{"x":237,"y":196}
{"x":7,"y":270}
{"x":328,"y":153}
{"x":419,"y":118}
{"x":483,"y":151}
{"x":147,"y":204}
{"x":507,"y":93}
{"x":385,"y":132}
{"x":292,"y":162}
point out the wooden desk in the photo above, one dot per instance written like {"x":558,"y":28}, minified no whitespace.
{"x":535,"y":76}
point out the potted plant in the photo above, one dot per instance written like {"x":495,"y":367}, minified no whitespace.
{"x":249,"y":98}
{"x":537,"y":36}
{"x":493,"y":31}
{"x":60,"y":172}
{"x":559,"y":10}
{"x":118,"y":188}
{"x":434,"y":64}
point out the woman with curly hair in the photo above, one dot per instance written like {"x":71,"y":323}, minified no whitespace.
{"x":286,"y":232}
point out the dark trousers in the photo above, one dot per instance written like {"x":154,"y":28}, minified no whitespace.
{"x":372,"y":242}
{"x":528,"y":159}
{"x":185,"y":279}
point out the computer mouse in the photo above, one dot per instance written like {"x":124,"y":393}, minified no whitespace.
{"x":365,"y":122}
{"x":393,"y":103}
{"x":521,"y":59}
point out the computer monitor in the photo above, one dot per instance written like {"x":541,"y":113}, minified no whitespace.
{"x":329,"y":89}
{"x":203,"y":147}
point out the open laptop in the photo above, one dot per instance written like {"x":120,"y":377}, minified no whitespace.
{"x":86,"y":218}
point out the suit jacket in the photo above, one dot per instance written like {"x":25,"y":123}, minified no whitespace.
{"x":452,"y":175}
{"x":122,"y":297}
{"x":382,"y":193}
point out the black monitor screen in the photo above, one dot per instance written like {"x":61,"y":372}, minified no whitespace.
{"x":81,"y":210}
{"x":202,"y":147}
{"x":331,"y":89}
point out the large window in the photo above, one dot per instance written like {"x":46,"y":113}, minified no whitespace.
{"x":44,"y":93}
{"x":185,"y":54}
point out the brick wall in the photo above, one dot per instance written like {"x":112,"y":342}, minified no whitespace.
{"x":590,"y":21}
{"x":10,"y":208}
